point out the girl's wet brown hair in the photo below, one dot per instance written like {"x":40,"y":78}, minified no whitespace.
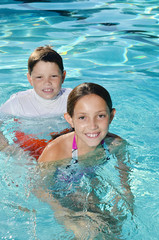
{"x":86,"y":89}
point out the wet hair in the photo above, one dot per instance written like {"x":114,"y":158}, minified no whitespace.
{"x":46,"y":54}
{"x":87,"y":89}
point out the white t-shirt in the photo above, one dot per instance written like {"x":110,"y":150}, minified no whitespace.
{"x":29,"y":104}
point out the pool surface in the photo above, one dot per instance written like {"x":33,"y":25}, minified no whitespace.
{"x":115,"y":44}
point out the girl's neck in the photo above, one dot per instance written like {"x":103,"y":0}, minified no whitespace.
{"x":83,"y":148}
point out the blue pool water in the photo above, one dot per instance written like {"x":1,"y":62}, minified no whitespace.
{"x":113,"y":43}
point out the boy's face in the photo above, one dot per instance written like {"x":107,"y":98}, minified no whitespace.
{"x":46,"y":79}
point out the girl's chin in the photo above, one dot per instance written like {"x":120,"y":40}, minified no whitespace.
{"x":94,"y":139}
{"x":93,"y":143}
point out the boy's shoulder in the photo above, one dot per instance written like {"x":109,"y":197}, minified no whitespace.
{"x":22,"y":94}
{"x":65,"y":90}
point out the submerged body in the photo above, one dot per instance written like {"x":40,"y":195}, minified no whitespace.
{"x":91,"y":195}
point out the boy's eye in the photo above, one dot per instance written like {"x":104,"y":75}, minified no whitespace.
{"x":39,"y":77}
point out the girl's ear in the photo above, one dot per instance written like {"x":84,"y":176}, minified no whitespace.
{"x":29,"y":79}
{"x":112,"y":114}
{"x":68,"y":118}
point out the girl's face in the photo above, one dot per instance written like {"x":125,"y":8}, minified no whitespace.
{"x":91,"y":121}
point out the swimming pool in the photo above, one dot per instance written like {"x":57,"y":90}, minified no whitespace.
{"x":114,"y":43}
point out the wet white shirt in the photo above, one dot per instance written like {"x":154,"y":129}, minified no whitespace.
{"x":29,"y":104}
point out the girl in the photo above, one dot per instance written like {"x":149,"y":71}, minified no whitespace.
{"x":89,"y":112}
{"x":90,"y":195}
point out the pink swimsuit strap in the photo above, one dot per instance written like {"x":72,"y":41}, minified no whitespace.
{"x":74,"y":144}
{"x":102,"y":142}
{"x":75,"y":150}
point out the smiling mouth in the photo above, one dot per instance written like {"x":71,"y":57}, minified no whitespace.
{"x":92,"y":135}
{"x":48,"y":90}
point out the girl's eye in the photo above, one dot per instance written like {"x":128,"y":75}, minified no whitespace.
{"x":54,"y":76}
{"x":101,"y":116}
{"x":82,"y":117}
{"x":39,"y":77}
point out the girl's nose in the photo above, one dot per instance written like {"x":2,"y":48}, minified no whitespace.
{"x":92,"y":124}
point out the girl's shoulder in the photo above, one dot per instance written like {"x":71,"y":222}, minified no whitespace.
{"x":62,"y":140}
{"x":113,"y":136}
{"x":57,"y":149}
{"x":114,"y":142}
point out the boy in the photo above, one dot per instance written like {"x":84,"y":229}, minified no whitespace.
{"x":46,"y":75}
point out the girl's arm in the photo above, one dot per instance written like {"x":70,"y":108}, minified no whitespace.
{"x":58,"y":149}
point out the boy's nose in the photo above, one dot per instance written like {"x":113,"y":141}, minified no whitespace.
{"x":47,"y":80}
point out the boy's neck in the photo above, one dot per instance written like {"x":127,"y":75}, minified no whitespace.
{"x":43,"y":100}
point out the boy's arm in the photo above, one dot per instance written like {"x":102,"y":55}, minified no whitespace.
{"x":3,"y":142}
